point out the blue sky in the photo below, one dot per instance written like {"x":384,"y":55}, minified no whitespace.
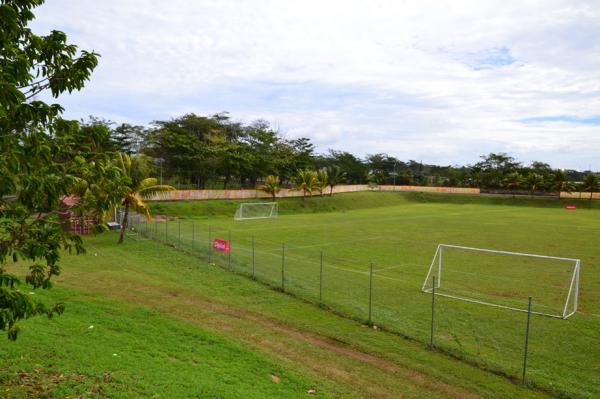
{"x":438,"y":81}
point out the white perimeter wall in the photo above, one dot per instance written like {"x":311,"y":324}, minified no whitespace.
{"x":284,"y":193}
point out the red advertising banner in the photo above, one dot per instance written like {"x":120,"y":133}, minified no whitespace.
{"x":221,"y":245}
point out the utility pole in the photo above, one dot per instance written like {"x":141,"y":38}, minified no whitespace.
{"x":394,"y":174}
{"x":160,"y":162}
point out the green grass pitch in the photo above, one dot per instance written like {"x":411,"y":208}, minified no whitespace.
{"x":398,"y":234}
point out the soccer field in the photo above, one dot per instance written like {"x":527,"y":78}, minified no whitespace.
{"x":399,"y":240}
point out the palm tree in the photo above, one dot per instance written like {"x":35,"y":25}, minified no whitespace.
{"x":334,"y":177}
{"x":321,"y":181}
{"x":136,"y":169}
{"x":533,"y":182}
{"x":562,"y":184}
{"x":591,"y":184}
{"x":305,"y":180}
{"x":512,"y":181}
{"x":271,"y":186}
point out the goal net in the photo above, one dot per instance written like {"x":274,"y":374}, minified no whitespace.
{"x":256,"y":210}
{"x":505,"y":279}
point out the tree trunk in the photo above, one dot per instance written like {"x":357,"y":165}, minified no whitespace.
{"x":124,"y":223}
{"x":330,"y":191}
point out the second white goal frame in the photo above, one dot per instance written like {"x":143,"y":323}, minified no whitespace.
{"x":572,"y":294}
{"x":272,"y":212}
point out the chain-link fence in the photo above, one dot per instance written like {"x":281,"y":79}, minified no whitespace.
{"x":379,"y":296}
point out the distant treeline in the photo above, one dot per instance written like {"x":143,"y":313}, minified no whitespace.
{"x":217,"y":152}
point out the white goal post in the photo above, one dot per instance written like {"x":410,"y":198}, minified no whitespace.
{"x":505,"y":279}
{"x":256,"y":210}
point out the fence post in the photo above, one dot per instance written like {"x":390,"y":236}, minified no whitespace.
{"x":370,"y":291}
{"x":209,"y":245}
{"x":432,"y":313}
{"x":193,"y":235}
{"x":179,"y":234}
{"x":321,"y":279}
{"x":526,"y":339}
{"x":253,"y":260}
{"x":282,"y":267}
{"x":229,"y":252}
{"x":439,"y":273}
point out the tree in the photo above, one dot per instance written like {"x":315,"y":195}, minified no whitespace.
{"x":291,"y":156}
{"x":354,"y":169}
{"x":383,"y":168}
{"x":271,"y":186}
{"x":43,"y":157}
{"x":232,"y":159}
{"x":321,"y":181}
{"x":128,"y":138}
{"x":335,"y":175}
{"x":101,"y":184}
{"x":418,"y":171}
{"x":188,"y":146}
{"x":139,"y":186}
{"x":513,"y":181}
{"x":561,"y":183}
{"x":494,"y":168}
{"x":305,"y":181}
{"x":262,"y":155}
{"x":533,"y":181}
{"x":591,"y":184}
{"x":303,"y":151}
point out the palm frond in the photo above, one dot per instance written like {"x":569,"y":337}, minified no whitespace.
{"x":151,"y":190}
{"x":138,"y":205}
{"x":147,"y":182}
{"x":124,"y":162}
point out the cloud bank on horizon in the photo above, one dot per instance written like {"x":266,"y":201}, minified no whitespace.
{"x":439,"y":81}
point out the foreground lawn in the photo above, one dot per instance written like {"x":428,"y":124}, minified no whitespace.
{"x":106,"y":348}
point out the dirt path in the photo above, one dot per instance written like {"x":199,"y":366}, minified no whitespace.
{"x":440,"y":388}
{"x":368,"y":375}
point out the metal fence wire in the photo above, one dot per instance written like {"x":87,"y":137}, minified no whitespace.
{"x":349,"y":289}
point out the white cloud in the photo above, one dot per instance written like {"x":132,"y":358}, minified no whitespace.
{"x":438,"y":81}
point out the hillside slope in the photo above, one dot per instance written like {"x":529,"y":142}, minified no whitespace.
{"x":168,"y":325}
{"x":352,"y":201}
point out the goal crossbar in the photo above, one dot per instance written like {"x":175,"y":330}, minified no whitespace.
{"x":495,"y":251}
{"x":573,"y":288}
